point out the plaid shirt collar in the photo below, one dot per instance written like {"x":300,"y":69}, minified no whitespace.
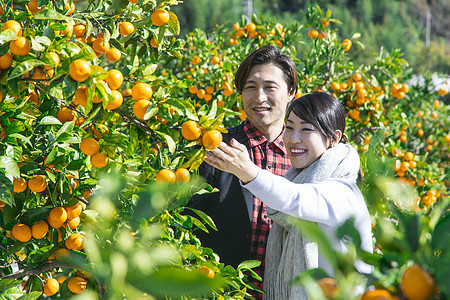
{"x":256,"y":138}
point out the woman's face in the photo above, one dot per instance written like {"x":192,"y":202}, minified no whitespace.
{"x":304,"y":142}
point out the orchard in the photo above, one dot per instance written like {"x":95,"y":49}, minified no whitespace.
{"x":106,"y":114}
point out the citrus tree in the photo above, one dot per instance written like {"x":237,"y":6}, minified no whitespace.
{"x":106,"y":113}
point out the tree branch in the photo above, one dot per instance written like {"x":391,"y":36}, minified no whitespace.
{"x":41,"y":269}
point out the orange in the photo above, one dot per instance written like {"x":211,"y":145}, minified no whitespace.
{"x":154,"y":43}
{"x":196,"y":60}
{"x":113,"y":55}
{"x":376,"y":295}
{"x":357,"y":77}
{"x":73,"y":223}
{"x":208,"y":97}
{"x":20,"y":47}
{"x":236,"y":26}
{"x":126,"y":28}
{"x":160,"y":17}
{"x":21,"y":232}
{"x":114,"y":79}
{"x":20,"y":185}
{"x":39,"y":229}
{"x":193,"y":89}
{"x":57,"y":217}
{"x":61,"y":279}
{"x":206,"y":271}
{"x":201,"y":93}
{"x":335,"y":86}
{"x":165,"y":176}
{"x":211,"y":139}
{"x":191,"y":130}
{"x":37,"y":184}
{"x":66,"y":31}
{"x":313,"y":34}
{"x":182,"y":175}
{"x":417,"y":284}
{"x":6,"y":61}
{"x":347,"y":43}
{"x":74,"y":211}
{"x":65,"y":114}
{"x":141,"y":91}
{"x":99,"y":160}
{"x":77,"y":284}
{"x":61,"y":254}
{"x":117,"y":102}
{"x":328,"y":286}
{"x":80,"y":70}
{"x":79,"y":30}
{"x":50,"y":234}
{"x":89,"y":146}
{"x":250,"y":27}
{"x":100,"y":46}
{"x":80,"y":96}
{"x":51,"y":286}
{"x":140,"y":108}
{"x":14,"y":25}
{"x":75,"y":241}
{"x":409,"y":156}
{"x":209,"y":90}
{"x":55,"y":58}
{"x":215,"y":60}
{"x":70,"y":8}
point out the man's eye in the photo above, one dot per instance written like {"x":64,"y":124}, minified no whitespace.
{"x":288,"y":128}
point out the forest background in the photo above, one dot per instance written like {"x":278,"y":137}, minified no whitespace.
{"x":393,"y":24}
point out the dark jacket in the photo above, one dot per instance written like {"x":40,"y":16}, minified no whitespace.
{"x":227,"y":208}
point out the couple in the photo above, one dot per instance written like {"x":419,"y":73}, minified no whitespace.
{"x":302,"y":140}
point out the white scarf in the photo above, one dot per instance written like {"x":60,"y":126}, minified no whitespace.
{"x":288,"y":253}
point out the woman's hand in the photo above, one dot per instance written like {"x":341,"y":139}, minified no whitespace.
{"x":233,"y":159}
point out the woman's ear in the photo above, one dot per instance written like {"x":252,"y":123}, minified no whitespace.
{"x":338,"y":135}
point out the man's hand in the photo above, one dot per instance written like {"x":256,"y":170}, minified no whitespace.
{"x":233,"y":159}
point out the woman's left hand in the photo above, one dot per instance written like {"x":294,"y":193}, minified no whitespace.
{"x":233,"y":159}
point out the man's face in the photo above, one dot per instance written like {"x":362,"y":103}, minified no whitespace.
{"x":265,"y":97}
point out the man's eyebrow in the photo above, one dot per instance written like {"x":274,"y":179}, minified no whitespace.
{"x":265,"y":81}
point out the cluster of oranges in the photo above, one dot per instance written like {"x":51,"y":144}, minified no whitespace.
{"x":168,"y":176}
{"x":399,"y":90}
{"x":210,"y":139}
{"x":91,"y":147}
{"x":75,"y":284}
{"x":275,"y":34}
{"x":408,"y":163}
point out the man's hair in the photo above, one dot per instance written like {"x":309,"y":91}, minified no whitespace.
{"x":265,"y":55}
{"x":321,"y":110}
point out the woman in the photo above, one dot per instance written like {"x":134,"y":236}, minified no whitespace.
{"x":319,"y":187}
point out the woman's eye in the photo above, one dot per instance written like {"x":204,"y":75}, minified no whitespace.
{"x":288,"y":128}
{"x":308,"y":129}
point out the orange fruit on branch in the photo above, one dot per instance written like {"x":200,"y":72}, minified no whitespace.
{"x":89,"y":146}
{"x":20,"y":47}
{"x":141,"y":91}
{"x":182,"y":175}
{"x":39,"y":229}
{"x":37,"y":184}
{"x":140,"y":108}
{"x":191,"y":130}
{"x":113,"y":55}
{"x":114,"y":79}
{"x":126,"y":28}
{"x":74,"y":210}
{"x":73,"y":223}
{"x":65,"y":114}
{"x":75,"y":241}
{"x":6,"y":61}
{"x":51,"y":286}
{"x":79,"y":30}
{"x":377,"y":295}
{"x":211,"y":139}
{"x":20,"y":185}
{"x":328,"y":286}
{"x":57,"y":217}
{"x":206,"y":271}
{"x":313,"y":34}
{"x":100,"y":46}
{"x":80,"y":96}
{"x":77,"y":284}
{"x":21,"y":232}
{"x":417,"y":284}
{"x":160,"y":17}
{"x":80,"y":70}
{"x":100,"y":160}
{"x":165,"y":176}
{"x":117,"y":102}
{"x":14,"y":25}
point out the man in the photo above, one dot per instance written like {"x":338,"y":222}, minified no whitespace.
{"x":267,"y":81}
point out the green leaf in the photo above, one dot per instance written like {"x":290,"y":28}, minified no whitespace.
{"x":66,"y":128}
{"x":10,"y":166}
{"x":249,"y":264}
{"x":150,"y":69}
{"x":207,"y":219}
{"x":31,"y":296}
{"x":173,"y":23}
{"x":50,"y":120}
{"x":24,"y":67}
{"x":50,"y":14}
{"x":6,"y":190}
{"x":6,"y":284}
{"x":169,"y":140}
{"x":441,"y":234}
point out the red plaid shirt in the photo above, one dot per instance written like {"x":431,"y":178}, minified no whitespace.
{"x":269,"y":156}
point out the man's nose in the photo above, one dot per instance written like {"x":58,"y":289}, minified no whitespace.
{"x":261,"y":95}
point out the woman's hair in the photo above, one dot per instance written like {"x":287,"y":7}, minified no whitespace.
{"x":321,"y":110}
{"x":266,"y":55}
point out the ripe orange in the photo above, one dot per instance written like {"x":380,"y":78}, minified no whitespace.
{"x":80,"y":70}
{"x":21,"y":232}
{"x":154,"y":43}
{"x":417,"y":284}
{"x":193,"y":89}
{"x":75,"y":241}
{"x":99,"y":160}
{"x":206,"y":271}
{"x":191,"y":130}
{"x":51,"y":286}
{"x":165,"y":176}
{"x":61,"y":254}
{"x":215,"y":60}
{"x":377,"y":295}
{"x":313,"y":34}
{"x":6,"y":61}
{"x":61,"y":278}
{"x":141,"y":91}
{"x":74,"y":211}
{"x":77,"y":284}
{"x":160,"y":17}
{"x":328,"y":286}
{"x":114,"y":79}
{"x":211,"y":139}
{"x":80,"y":96}
{"x":79,"y":30}
{"x":196,"y":60}
{"x":65,"y":114}
{"x":39,"y":229}
{"x":182,"y":175}
{"x":37,"y":184}
{"x":347,"y":43}
{"x":68,"y":30}
{"x":100,"y":46}
{"x":14,"y":25}
{"x":357,"y":77}
{"x":20,"y":47}
{"x":73,"y":223}
{"x":113,"y":55}
{"x":201,"y":93}
{"x":250,"y":27}
{"x":70,"y":8}
{"x":126,"y":28}
{"x":117,"y":102}
{"x":140,"y":108}
{"x":89,"y":146}
{"x":20,"y":185}
{"x":57,"y":217}
{"x":409,"y":156}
